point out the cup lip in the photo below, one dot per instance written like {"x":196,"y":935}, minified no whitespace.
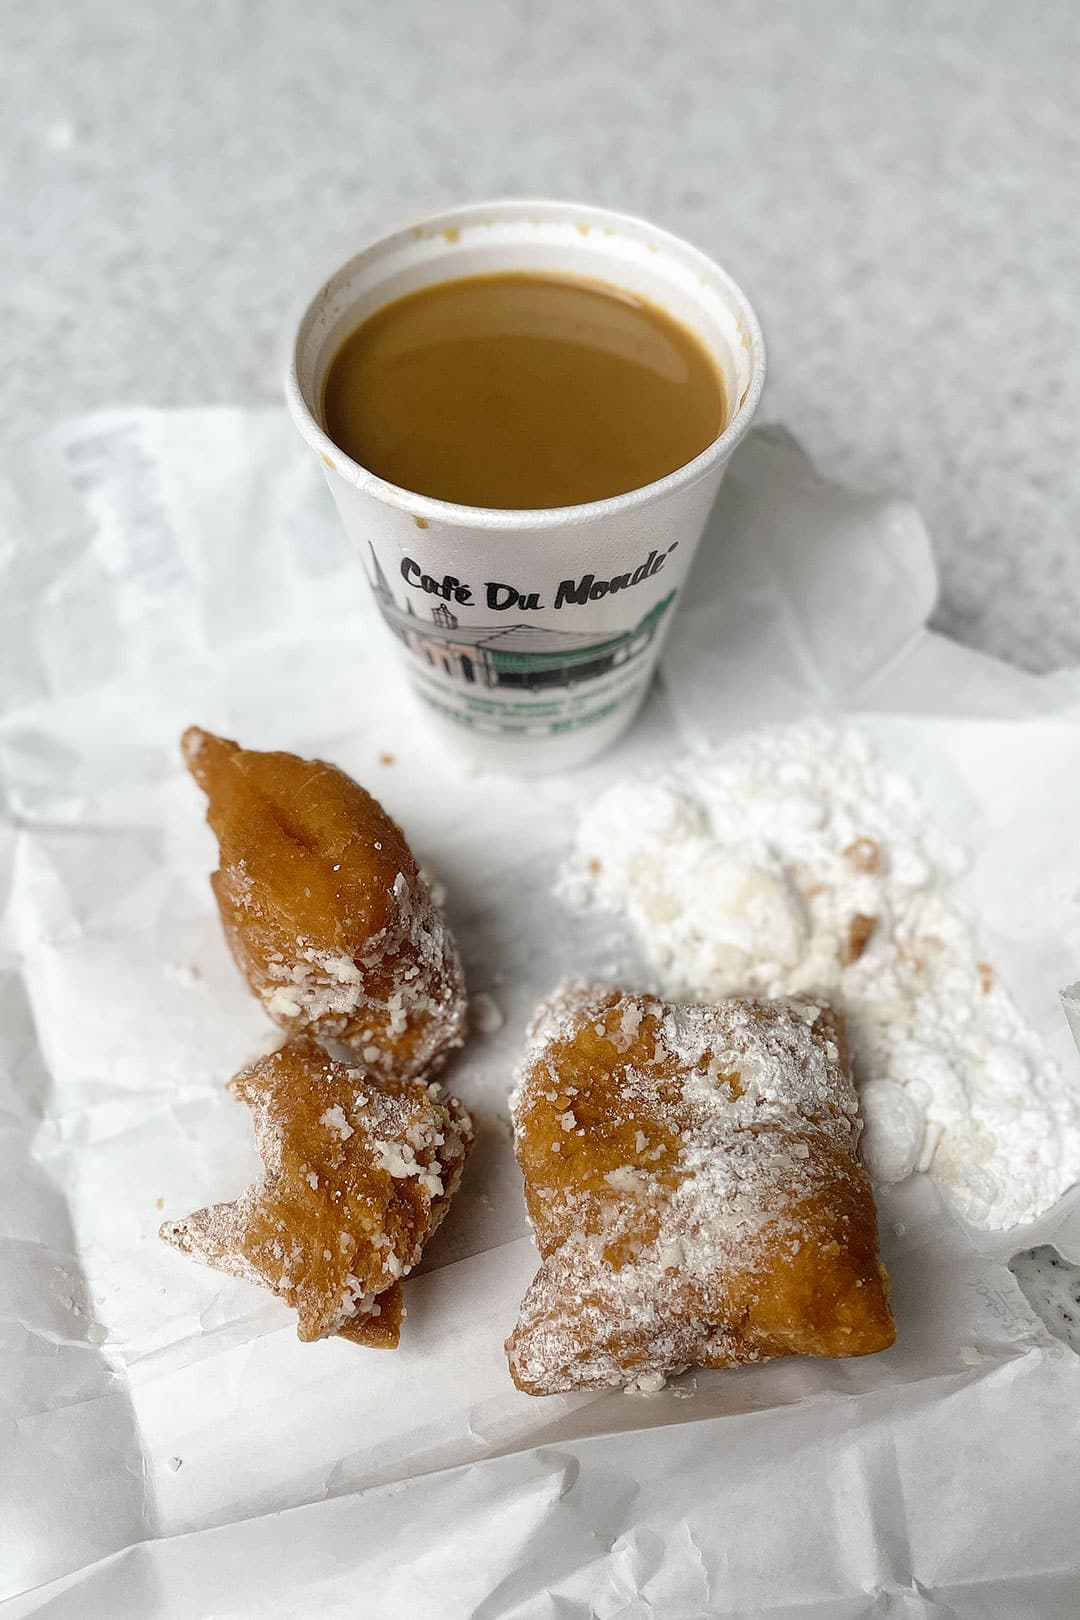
{"x":454,"y":514}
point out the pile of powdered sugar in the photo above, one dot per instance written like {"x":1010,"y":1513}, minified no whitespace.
{"x":792,"y":861}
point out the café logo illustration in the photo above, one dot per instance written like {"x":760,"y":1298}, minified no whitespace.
{"x":525,"y":655}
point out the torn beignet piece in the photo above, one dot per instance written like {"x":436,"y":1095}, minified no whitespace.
{"x":325,"y":910}
{"x":692,"y":1179}
{"x":359,"y":1171}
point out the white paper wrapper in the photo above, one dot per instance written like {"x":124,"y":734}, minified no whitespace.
{"x":156,"y":1418}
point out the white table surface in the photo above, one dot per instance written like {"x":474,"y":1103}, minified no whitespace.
{"x":898,"y":187}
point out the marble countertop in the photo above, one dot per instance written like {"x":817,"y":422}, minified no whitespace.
{"x":891,"y":185}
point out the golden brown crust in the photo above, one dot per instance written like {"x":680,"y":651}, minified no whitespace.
{"x":382,"y":1332}
{"x":324,"y":908}
{"x":692,"y":1179}
{"x":359,"y":1171}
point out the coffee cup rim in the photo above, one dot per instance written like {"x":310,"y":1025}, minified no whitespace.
{"x":430,"y":508}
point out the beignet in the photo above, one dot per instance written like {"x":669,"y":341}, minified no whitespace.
{"x":692,"y":1180}
{"x":325,"y":910}
{"x":359,"y":1170}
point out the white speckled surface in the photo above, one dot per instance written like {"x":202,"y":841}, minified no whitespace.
{"x":1051,"y":1285}
{"x":896,"y":187}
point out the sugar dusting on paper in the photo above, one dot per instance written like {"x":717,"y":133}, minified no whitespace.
{"x":793,"y":862}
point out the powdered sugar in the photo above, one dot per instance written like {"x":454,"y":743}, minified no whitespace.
{"x":330,"y":993}
{"x":334,"y":1119}
{"x":355,"y":1301}
{"x":793,"y":862}
{"x":399,"y":1160}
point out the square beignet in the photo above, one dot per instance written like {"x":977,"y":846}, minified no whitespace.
{"x":692,"y":1179}
{"x":358,"y":1172}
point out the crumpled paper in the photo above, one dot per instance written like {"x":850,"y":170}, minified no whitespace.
{"x":167,"y":1446}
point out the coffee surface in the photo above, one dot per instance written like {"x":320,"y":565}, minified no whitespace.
{"x":522,"y":390}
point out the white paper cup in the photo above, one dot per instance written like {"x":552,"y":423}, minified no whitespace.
{"x":530,"y":637}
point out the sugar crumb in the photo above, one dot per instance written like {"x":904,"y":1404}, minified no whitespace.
{"x":648,"y":1383}
{"x":485,"y":1014}
{"x":334,"y":1120}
